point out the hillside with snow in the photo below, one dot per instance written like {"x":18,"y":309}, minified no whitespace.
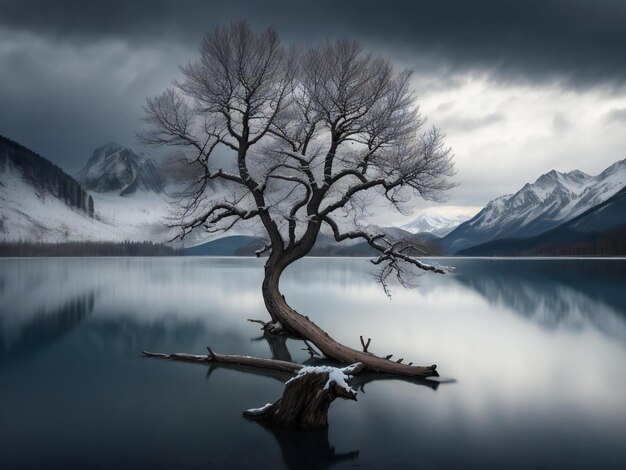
{"x":50,"y":206}
{"x":552,"y":199}
{"x":29,"y":215}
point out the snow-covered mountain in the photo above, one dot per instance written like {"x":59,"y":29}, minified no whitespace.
{"x":37,"y":197}
{"x":551,"y":200}
{"x":39,"y":202}
{"x":30,"y":215}
{"x":115,"y":168}
{"x":45,"y":178}
{"x":434,"y":223}
{"x":597,"y":231}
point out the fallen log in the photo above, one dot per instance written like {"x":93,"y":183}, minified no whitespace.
{"x":307,"y":396}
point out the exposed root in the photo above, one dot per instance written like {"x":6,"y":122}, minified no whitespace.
{"x":307,"y":397}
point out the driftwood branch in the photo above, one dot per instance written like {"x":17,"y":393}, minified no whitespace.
{"x":214,"y":357}
{"x":364,"y":344}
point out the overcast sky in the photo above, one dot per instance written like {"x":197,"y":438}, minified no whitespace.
{"x":519,"y":87}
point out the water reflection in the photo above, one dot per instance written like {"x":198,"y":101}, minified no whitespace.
{"x":538,"y":349}
{"x":277,"y":345}
{"x":570,"y":294}
{"x":307,"y":449}
{"x":43,"y":327}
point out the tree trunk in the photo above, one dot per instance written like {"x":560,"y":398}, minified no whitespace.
{"x":305,"y":400}
{"x":284,"y":318}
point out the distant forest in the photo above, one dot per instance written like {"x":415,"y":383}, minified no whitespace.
{"x":608,"y":244}
{"x":45,"y":175}
{"x":87,"y":249}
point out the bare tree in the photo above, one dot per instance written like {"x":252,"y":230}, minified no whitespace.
{"x":301,"y":141}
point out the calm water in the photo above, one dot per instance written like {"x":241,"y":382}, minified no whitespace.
{"x":536,"y":351}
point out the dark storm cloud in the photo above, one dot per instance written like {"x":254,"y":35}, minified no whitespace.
{"x":75,"y":74}
{"x":581,"y":42}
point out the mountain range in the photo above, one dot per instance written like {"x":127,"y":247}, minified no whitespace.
{"x":121,"y":195}
{"x":551,"y":200}
{"x":600,"y":230}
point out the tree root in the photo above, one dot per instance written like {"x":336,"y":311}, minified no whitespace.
{"x":308,"y":396}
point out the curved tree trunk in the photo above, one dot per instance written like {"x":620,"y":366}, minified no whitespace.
{"x":284,"y":317}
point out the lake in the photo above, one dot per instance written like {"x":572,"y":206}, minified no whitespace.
{"x":532,"y":355}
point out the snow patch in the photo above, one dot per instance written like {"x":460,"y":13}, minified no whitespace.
{"x":336,"y":376}
{"x":259,"y":410}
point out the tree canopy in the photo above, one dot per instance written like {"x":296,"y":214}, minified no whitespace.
{"x":298,"y":139}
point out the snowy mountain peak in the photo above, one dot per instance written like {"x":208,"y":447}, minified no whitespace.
{"x":553,"y":179}
{"x":114,"y":167}
{"x":618,"y":167}
{"x":552,"y":199}
{"x":577,"y":175}
{"x":550,"y":176}
{"x":433,"y":223}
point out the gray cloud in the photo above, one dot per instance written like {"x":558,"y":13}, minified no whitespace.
{"x":75,"y":73}
{"x":616,"y":115}
{"x":560,"y":123}
{"x":461,"y":124}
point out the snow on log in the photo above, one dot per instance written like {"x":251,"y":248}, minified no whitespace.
{"x":307,"y":397}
